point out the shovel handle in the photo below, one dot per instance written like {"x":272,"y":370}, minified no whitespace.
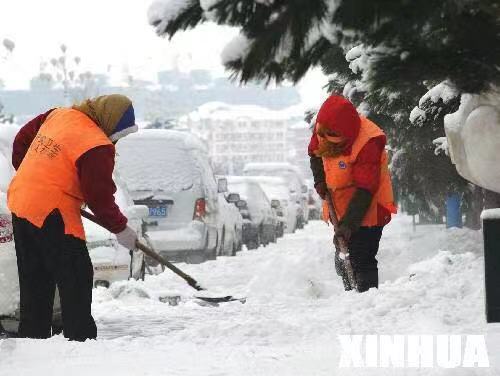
{"x":335,"y":222}
{"x":344,"y":249}
{"x":148,"y":251}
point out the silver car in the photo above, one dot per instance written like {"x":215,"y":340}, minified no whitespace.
{"x":169,"y":172}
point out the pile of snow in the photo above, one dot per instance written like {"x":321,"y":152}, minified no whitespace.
{"x":473,"y":134}
{"x":224,"y":111}
{"x":430,"y":283}
{"x":490,"y":214}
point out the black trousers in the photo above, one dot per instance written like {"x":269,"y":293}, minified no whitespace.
{"x":47,"y":257}
{"x":363,"y":248}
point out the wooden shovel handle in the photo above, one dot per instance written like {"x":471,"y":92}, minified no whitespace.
{"x":148,"y":251}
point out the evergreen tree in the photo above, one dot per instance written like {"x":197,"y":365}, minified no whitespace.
{"x":383,"y":55}
{"x":430,"y":40}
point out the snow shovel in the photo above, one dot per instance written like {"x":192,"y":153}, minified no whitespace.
{"x":344,"y":250}
{"x":186,"y":277}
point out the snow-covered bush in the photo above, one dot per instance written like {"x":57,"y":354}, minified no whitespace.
{"x":473,"y":134}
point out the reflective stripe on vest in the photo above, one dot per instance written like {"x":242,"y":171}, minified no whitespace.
{"x":338,"y":171}
{"x":48,"y":178}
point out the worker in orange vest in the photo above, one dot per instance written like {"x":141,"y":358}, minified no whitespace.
{"x":65,"y":158}
{"x":349,"y":162}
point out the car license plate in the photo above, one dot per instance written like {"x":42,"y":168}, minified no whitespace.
{"x":158,"y":211}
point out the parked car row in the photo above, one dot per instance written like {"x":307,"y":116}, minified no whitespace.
{"x":296,"y":183}
{"x":189,"y":217}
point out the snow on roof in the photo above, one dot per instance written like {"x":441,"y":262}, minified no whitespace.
{"x":225,"y":111}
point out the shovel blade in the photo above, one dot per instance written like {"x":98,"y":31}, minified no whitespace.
{"x":222,"y":299}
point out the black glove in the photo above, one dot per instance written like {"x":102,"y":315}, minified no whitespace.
{"x":356,"y":211}
{"x":322,"y":189}
{"x":344,"y":232}
{"x":317,"y":170}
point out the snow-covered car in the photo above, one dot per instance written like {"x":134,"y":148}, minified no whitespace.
{"x":314,"y":201}
{"x":260,"y":221}
{"x":230,"y":226}
{"x":276,"y":188}
{"x":169,"y":172}
{"x":295,"y":181}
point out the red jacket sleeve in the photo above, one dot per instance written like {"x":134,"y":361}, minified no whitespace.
{"x":366,"y":169}
{"x":25,"y":137}
{"x":95,"y":171}
{"x":313,"y":144}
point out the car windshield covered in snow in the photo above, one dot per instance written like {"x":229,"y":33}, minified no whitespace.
{"x":156,"y":160}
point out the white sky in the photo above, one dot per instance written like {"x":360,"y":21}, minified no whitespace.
{"x":111,"y":33}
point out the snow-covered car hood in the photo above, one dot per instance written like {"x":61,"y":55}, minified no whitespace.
{"x":9,"y":282}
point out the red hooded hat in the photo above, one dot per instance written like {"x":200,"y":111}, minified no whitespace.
{"x":339,"y":115}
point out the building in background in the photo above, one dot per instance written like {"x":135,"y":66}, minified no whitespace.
{"x":299,"y":135}
{"x":239,"y":134}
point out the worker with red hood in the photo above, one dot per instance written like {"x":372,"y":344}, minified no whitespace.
{"x":349,"y":161}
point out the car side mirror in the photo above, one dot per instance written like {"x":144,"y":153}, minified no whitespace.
{"x":233,"y":198}
{"x":137,"y":211}
{"x":222,"y":185}
{"x":275,"y":204}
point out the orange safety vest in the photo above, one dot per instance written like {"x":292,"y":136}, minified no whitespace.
{"x":48,"y":178}
{"x":338,"y":171}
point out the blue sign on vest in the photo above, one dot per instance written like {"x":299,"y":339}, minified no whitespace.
{"x":342,"y":165}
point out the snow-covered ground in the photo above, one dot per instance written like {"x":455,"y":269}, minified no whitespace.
{"x":431,"y":284}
